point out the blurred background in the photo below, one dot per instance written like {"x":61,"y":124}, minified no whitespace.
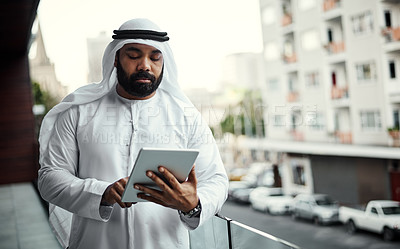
{"x":303,"y":96}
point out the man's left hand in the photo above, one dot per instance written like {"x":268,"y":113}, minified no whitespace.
{"x":176,"y":195}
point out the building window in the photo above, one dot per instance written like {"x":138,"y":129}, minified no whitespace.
{"x":268,"y":15}
{"x":312,"y":79}
{"x":298,"y":174}
{"x":307,"y":4}
{"x":273,"y":84}
{"x":392,"y":69}
{"x":315,"y":120}
{"x":279,"y":121}
{"x":396,"y":119}
{"x":310,"y":40}
{"x":370,"y":120}
{"x":366,"y":72}
{"x":362,"y":23}
{"x":271,"y":51}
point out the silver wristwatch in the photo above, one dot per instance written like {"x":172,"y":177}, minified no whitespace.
{"x":195,"y":212}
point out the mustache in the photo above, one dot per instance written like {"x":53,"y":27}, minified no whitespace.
{"x":142,"y":75}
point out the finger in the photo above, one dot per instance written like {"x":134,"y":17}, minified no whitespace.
{"x":117,"y":197}
{"x":149,"y":191}
{"x":119,"y":187}
{"x":151,"y":199}
{"x":192,"y":176}
{"x":169,"y":177}
{"x":158,"y":181}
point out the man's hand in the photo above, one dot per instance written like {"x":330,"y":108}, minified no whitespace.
{"x":180,"y":196}
{"x":114,"y":193}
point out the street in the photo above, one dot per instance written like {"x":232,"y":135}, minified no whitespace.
{"x":304,"y":233}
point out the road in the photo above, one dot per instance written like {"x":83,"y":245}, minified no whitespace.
{"x":304,"y":233}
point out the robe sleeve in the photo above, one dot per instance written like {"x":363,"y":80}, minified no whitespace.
{"x":58,"y":182}
{"x":212,"y":180}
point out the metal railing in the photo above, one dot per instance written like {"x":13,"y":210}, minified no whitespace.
{"x":223,"y":233}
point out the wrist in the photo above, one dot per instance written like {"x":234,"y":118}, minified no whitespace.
{"x":194,"y":212}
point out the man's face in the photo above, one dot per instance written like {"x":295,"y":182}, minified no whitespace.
{"x":139,"y":70}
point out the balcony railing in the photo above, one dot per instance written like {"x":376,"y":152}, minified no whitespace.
{"x":331,"y":4}
{"x":224,"y":233}
{"x":344,"y":137}
{"x":391,"y":34}
{"x":287,"y":19}
{"x":290,"y":58}
{"x":340,"y":92}
{"x":335,"y":47}
{"x":292,"y":96}
{"x":297,"y":135}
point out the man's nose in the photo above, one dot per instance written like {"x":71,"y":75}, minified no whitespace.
{"x":144,"y":64}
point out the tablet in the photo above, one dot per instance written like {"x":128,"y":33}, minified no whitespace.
{"x":178,"y":161}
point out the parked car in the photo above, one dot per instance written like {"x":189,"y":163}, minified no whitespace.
{"x":270,"y":200}
{"x":319,"y":208}
{"x":239,"y":191}
{"x":379,"y":216}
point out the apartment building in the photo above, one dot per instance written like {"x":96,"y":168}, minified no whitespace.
{"x":332,"y":94}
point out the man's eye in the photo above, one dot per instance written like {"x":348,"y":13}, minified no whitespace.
{"x":133,"y":57}
{"x":156,"y":57}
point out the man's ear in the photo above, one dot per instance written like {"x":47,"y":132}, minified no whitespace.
{"x":116,"y":58}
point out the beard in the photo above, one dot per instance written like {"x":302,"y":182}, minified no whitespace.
{"x":131,"y":86}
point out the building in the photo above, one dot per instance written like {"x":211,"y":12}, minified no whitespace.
{"x":96,"y":47}
{"x":42,"y":69}
{"x":332,"y":94}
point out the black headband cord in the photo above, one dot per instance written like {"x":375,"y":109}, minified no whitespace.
{"x":141,"y":34}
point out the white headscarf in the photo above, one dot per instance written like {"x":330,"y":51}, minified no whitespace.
{"x":60,"y":219}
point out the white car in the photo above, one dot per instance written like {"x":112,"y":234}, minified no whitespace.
{"x":270,"y":200}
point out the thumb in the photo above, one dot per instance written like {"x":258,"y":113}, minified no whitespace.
{"x":192,"y":176}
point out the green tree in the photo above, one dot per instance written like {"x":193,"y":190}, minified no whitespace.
{"x":41,"y":97}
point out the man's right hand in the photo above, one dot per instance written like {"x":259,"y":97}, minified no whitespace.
{"x":113,"y":194}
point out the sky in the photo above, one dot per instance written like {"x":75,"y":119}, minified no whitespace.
{"x":201,"y":33}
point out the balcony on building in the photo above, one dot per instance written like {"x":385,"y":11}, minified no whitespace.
{"x":289,"y":53}
{"x":343,"y":137}
{"x":334,"y":47}
{"x":293,"y":96}
{"x":287,"y":15}
{"x":329,"y":5}
{"x":339,"y":92}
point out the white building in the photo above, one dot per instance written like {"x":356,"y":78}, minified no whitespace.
{"x":332,"y":70}
{"x":42,"y":69}
{"x":95,"y":48}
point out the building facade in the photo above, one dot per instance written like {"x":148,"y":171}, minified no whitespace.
{"x":332,"y":83}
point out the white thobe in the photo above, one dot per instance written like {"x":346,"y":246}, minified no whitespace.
{"x":96,"y":144}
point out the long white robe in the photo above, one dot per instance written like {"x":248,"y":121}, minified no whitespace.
{"x":95,"y":144}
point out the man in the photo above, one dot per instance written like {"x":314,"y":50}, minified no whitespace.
{"x":89,"y":142}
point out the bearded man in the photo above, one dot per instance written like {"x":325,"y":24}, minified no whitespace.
{"x":89,"y":143}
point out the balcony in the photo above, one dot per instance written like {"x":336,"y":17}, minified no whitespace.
{"x":340,"y":92}
{"x":391,"y":34}
{"x":335,"y":47}
{"x":297,"y":135}
{"x":292,"y":97}
{"x":290,"y":58}
{"x":287,"y":19}
{"x":330,"y":5}
{"x":344,"y":137}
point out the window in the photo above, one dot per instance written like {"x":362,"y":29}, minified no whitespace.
{"x":315,"y":120}
{"x":310,"y":40}
{"x":312,"y":79}
{"x":298,"y":174}
{"x":374,"y":211}
{"x":362,"y":23}
{"x":268,"y":15}
{"x":273,"y":84}
{"x":271,"y":51}
{"x":279,"y":120}
{"x":366,"y":71}
{"x":370,"y":120}
{"x":307,"y":4}
{"x":392,"y":69}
